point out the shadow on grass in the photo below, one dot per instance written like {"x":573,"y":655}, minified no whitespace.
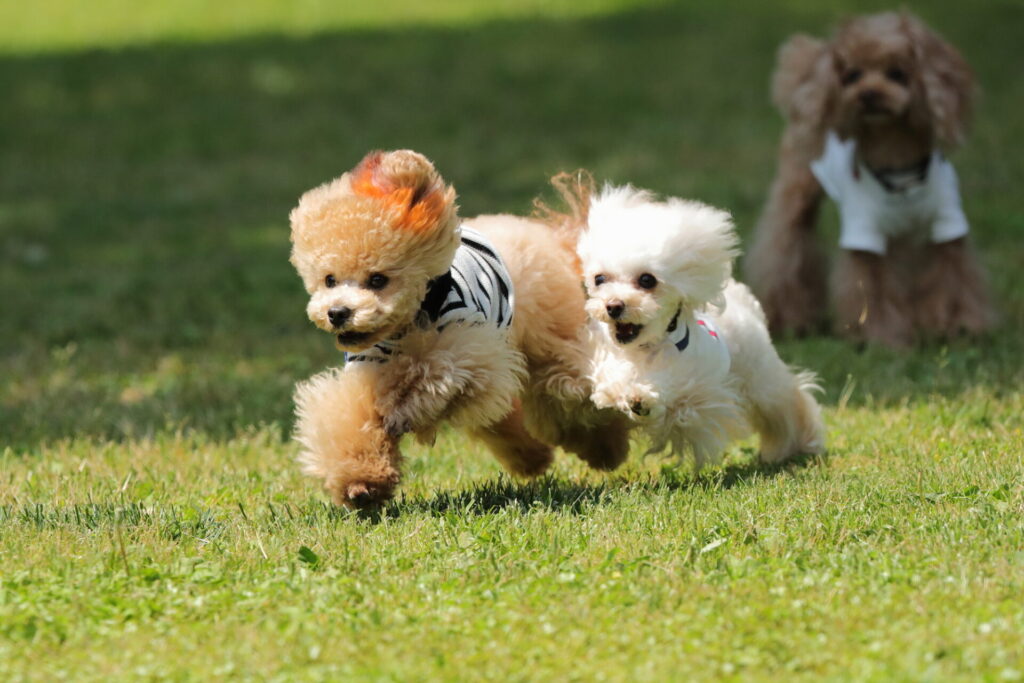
{"x":562,"y":495}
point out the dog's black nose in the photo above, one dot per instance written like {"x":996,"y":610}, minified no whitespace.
{"x":870,"y":98}
{"x":615,"y":308}
{"x":339,"y":315}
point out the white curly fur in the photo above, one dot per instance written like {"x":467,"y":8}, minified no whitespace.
{"x":698,"y":399}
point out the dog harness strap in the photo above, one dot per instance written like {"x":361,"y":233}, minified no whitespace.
{"x":897,"y":180}
{"x":685,"y":341}
{"x":675,"y":321}
{"x":673,"y":325}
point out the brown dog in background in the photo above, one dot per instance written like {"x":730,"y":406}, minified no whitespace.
{"x":869,"y":115}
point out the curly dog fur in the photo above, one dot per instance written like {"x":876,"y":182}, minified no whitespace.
{"x":367,"y":246}
{"x":658,"y":277}
{"x":900,"y":92}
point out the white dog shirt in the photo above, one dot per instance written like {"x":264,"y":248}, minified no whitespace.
{"x":871,"y":212}
{"x":700,"y":341}
{"x":476,"y":290}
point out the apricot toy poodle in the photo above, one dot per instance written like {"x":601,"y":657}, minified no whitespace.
{"x":870,"y":115}
{"x":474,"y":323}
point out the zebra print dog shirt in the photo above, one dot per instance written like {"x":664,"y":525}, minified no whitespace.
{"x":476,"y":290}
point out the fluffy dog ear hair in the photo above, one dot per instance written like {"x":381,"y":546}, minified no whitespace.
{"x":703,"y":252}
{"x":805,"y":81}
{"x":948,"y":82}
{"x":408,"y":182}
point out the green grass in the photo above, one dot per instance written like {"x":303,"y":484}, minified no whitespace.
{"x":152,"y":522}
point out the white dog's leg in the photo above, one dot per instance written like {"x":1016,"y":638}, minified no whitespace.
{"x":704,"y":418}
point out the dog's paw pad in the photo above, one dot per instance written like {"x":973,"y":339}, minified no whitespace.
{"x":638,"y":407}
{"x":363,"y":496}
{"x":359,"y":496}
{"x":396,"y":426}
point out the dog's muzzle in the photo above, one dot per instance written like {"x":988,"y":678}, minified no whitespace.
{"x":627,"y":332}
{"x":352,"y":338}
{"x":339,"y":315}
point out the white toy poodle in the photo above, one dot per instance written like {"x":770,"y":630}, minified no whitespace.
{"x":676,"y":343}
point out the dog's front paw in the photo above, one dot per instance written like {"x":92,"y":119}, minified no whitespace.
{"x":639,"y":408}
{"x":360,"y":495}
{"x":602,"y":398}
{"x":642,"y":399}
{"x":396,"y":424}
{"x":645,"y":406}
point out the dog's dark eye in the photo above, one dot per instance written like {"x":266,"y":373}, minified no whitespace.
{"x":896,"y":75}
{"x":647,"y":281}
{"x":599,"y":280}
{"x":850,"y":76}
{"x":330,"y":281}
{"x":377,"y":281}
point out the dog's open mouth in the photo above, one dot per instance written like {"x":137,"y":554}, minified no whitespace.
{"x":875,"y":113}
{"x":627,"y":332}
{"x":350,"y":338}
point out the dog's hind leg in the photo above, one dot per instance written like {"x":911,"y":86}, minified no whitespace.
{"x":514,"y":447}
{"x":779,"y":403}
{"x":788,"y":418}
{"x":598,"y":437}
{"x":603,"y":445}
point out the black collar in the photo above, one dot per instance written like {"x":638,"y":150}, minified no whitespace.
{"x":675,"y":321}
{"x":437,"y":292}
{"x":899,"y":180}
{"x":685,"y":341}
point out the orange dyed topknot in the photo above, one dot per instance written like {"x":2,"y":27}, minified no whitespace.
{"x":417,"y":213}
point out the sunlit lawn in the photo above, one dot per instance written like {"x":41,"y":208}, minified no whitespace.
{"x":152,"y":522}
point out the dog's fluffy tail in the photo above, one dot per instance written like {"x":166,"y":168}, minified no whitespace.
{"x":781,"y":400}
{"x":795,"y":65}
{"x":791,"y":424}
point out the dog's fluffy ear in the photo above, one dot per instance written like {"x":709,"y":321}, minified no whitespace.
{"x":702,"y":253}
{"x":947,"y":80}
{"x":805,"y":82}
{"x":407,"y":182}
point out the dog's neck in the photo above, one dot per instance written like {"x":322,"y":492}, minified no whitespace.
{"x":677,"y":334}
{"x":892,"y":146}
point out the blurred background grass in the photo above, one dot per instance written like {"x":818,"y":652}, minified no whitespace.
{"x":149,"y":157}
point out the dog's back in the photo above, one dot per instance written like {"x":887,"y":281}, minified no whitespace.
{"x":780,"y":401}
